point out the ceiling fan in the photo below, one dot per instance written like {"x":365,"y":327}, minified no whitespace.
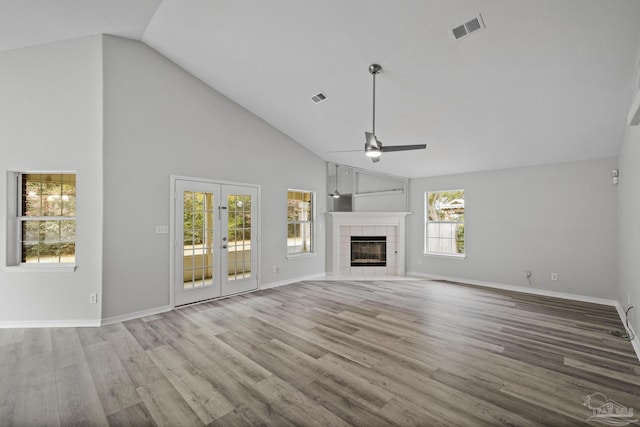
{"x":373,"y":146}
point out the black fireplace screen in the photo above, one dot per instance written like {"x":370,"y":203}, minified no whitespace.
{"x":368,"y":251}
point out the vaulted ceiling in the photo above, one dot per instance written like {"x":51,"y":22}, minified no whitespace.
{"x":545,"y":81}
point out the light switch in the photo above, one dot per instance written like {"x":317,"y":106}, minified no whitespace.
{"x":162,"y":229}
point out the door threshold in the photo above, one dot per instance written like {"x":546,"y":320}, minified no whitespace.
{"x":191,"y":304}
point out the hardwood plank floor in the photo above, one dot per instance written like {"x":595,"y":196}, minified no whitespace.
{"x":328,"y":353}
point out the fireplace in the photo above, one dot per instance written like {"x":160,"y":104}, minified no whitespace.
{"x":368,"y":251}
{"x":344,"y":225}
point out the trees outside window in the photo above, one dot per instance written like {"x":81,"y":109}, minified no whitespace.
{"x":444,"y":228}
{"x":47,"y":218}
{"x":300,"y":218}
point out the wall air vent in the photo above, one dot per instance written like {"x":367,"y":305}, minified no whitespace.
{"x":469,"y":27}
{"x":318,"y":98}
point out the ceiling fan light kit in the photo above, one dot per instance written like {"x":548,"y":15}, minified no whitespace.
{"x":373,"y":147}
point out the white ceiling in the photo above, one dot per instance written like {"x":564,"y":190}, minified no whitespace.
{"x":547,"y":81}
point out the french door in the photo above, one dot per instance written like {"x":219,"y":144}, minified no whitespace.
{"x":216,"y":240}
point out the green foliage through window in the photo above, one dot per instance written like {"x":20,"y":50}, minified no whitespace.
{"x":445,"y":222}
{"x":48,"y":211}
{"x":299,"y":221}
{"x":198,"y":217}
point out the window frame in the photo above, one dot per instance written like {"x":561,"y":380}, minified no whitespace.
{"x":426,"y":251}
{"x":311,"y":221}
{"x":15,"y":220}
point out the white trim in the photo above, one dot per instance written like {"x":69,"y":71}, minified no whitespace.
{"x":12,"y":239}
{"x":445,"y":256}
{"x":172,"y":226}
{"x":180,"y":307}
{"x":135,"y":315}
{"x":379,"y":193}
{"x":337,"y":219}
{"x":635,"y":342}
{"x":19,"y":218}
{"x":72,"y":323}
{"x":425,"y":250}
{"x":41,"y":268}
{"x":535,"y":291}
{"x":293,"y":280}
{"x":314,"y":231}
{"x":172,"y":238}
{"x":300,"y":255}
{"x":603,"y":301}
{"x":368,"y":277}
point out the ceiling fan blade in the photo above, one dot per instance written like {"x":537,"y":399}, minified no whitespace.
{"x":371,"y":142}
{"x":389,"y":148}
{"x":373,"y":147}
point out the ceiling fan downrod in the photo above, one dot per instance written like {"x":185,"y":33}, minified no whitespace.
{"x":374,"y":69}
{"x":373,"y":147}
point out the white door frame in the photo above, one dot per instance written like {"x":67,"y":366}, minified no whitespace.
{"x":172,"y":226}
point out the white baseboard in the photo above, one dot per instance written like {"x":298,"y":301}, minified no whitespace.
{"x":73,"y":323}
{"x":534,"y":291}
{"x":136,"y":315}
{"x":163,"y":309}
{"x":635,"y":342}
{"x":543,"y":292}
{"x":270,"y":285}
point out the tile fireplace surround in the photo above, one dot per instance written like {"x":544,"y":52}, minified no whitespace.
{"x":343,"y":225}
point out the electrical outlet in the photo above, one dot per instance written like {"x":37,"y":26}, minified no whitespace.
{"x":554,"y":276}
{"x":93,"y":298}
{"x":274,"y":268}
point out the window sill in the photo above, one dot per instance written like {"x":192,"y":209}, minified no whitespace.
{"x":300,"y":255}
{"x":65,"y":268}
{"x":445,"y":256}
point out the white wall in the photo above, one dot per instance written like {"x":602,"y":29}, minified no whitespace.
{"x":367,"y":191}
{"x":557,"y":218}
{"x":160,"y":120}
{"x":51,"y":119}
{"x":366,"y":199}
{"x":629,"y":224}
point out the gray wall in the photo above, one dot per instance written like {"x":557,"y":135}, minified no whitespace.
{"x":51,"y":119}
{"x":629,"y":228}
{"x":557,"y":218}
{"x":366,"y":191}
{"x":160,"y":120}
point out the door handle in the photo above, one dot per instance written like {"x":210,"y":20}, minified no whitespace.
{"x":225,"y":246}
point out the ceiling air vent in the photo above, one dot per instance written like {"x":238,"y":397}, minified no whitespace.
{"x":318,"y":98}
{"x":469,"y":27}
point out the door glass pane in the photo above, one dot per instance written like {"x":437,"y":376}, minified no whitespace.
{"x":197,"y":239}
{"x":239,"y":233}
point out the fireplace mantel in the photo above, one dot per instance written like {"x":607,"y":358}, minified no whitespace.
{"x":391,"y":224}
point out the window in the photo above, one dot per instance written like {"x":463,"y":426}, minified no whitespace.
{"x":46,"y":218}
{"x":445,"y":223}
{"x":300,"y":217}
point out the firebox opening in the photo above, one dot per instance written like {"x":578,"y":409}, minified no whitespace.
{"x":368,"y":251}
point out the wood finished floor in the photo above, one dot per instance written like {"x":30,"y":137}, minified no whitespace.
{"x":327,"y":353}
